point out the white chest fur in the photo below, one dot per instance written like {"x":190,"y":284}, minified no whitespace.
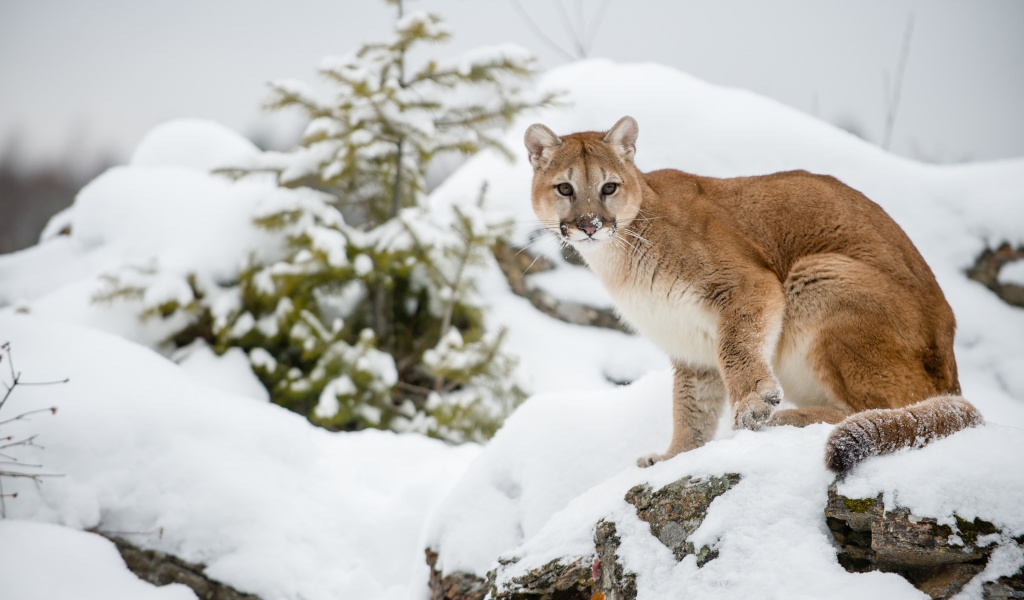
{"x":668,"y":314}
{"x":677,"y":323}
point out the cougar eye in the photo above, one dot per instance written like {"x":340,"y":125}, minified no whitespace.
{"x":564,"y":189}
{"x":609,"y":188}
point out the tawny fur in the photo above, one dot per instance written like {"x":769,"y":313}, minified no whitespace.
{"x":757,"y":285}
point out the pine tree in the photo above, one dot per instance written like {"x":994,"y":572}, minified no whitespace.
{"x":372,"y":319}
{"x":370,"y":142}
{"x":306,"y":322}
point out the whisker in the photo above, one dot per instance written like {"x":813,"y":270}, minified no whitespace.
{"x":638,"y":236}
{"x":621,"y":240}
{"x":536,"y":241}
{"x":535,"y":259}
{"x":546,"y":223}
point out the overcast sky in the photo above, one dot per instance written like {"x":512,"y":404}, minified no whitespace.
{"x":84,"y":78}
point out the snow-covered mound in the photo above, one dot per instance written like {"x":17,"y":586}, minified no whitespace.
{"x":39,"y":560}
{"x":163,"y":213}
{"x":270,"y":503}
{"x":194,"y":143}
{"x":564,"y":461}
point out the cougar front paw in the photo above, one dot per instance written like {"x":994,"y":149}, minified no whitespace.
{"x":649,"y":459}
{"x":751,"y":412}
{"x":770,"y":391}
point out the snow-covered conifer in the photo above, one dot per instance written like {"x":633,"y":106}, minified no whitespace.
{"x":369,"y":318}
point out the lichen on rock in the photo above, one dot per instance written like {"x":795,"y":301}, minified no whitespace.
{"x":937,"y":558}
{"x":675,"y":511}
{"x":564,"y":578}
{"x":454,"y":586}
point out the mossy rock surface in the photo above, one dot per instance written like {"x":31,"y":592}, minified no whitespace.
{"x":611,"y":580}
{"x":454,"y":586}
{"x":675,"y":511}
{"x":560,"y":579}
{"x":939,"y":559}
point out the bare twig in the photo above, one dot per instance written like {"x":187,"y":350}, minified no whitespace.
{"x":602,"y":11}
{"x":576,"y":30}
{"x":892,"y":92}
{"x":9,"y":441}
{"x":540,"y":32}
{"x":570,"y":29}
{"x":52,"y":410}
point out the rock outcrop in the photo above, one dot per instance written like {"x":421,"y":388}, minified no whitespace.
{"x":161,"y":569}
{"x":677,"y":510}
{"x":986,"y":267}
{"x":515,"y":262}
{"x":939,"y":559}
{"x":673,"y":512}
{"x":454,"y":586}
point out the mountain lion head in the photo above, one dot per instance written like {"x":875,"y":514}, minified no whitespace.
{"x":585,"y":186}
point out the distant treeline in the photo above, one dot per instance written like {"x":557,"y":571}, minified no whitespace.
{"x":29,"y":196}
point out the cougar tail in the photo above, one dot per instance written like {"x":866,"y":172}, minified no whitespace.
{"x":882,"y":431}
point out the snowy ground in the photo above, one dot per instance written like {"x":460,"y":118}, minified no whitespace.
{"x":190,"y":459}
{"x":270,"y":503}
{"x":537,"y":492}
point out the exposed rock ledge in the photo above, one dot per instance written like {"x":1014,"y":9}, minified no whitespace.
{"x":934,"y":558}
{"x":515,"y":262}
{"x":986,"y":267}
{"x":161,"y":569}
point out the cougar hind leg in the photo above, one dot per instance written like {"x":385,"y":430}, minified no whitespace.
{"x":874,"y":345}
{"x":807,"y":415}
{"x":882,"y":356}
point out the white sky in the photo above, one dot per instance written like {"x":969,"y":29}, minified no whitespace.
{"x":82,"y":78}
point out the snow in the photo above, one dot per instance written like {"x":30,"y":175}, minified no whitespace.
{"x":566,"y":285}
{"x":565,"y":461}
{"x":39,"y":561}
{"x":417,"y":19}
{"x":185,"y":215}
{"x":363,"y":265}
{"x":1012,"y":273}
{"x":271,"y":504}
{"x":184,"y":456}
{"x":970,"y":461}
{"x":230,"y":372}
{"x":488,"y":55}
{"x":194,"y":143}
{"x":152,"y":219}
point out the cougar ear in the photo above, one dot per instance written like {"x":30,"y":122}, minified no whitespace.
{"x":539,"y":142}
{"x":622,"y":137}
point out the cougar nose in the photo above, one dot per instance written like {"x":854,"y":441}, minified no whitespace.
{"x":589,"y":225}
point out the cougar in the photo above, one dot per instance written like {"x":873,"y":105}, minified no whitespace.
{"x":754,"y":286}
